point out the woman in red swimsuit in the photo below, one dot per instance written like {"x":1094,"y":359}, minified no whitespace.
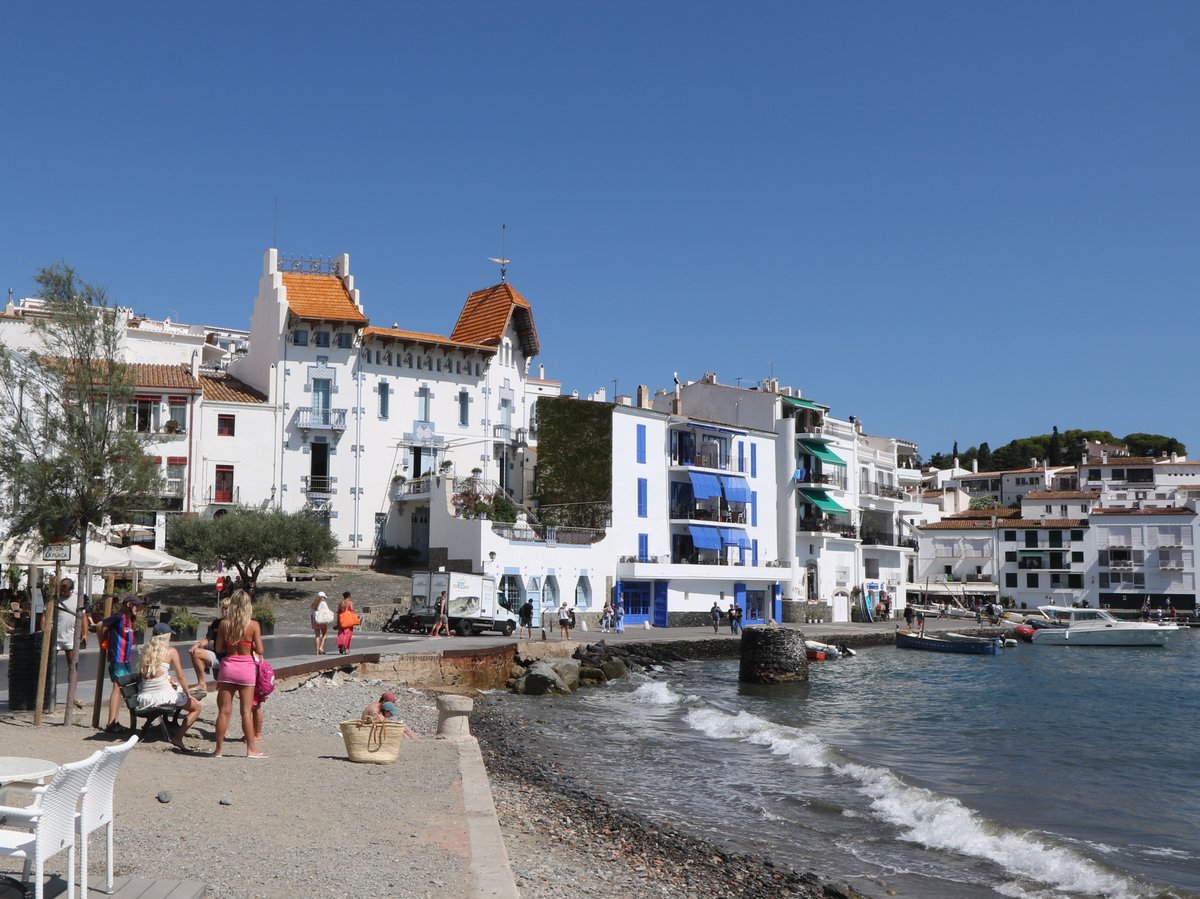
{"x":238,"y":636}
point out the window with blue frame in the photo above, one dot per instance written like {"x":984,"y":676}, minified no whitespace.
{"x":741,"y":456}
{"x":754,"y":508}
{"x":643,"y":547}
{"x":641,"y":444}
{"x":641,"y":497}
{"x":753,"y":552}
{"x":754,"y":460}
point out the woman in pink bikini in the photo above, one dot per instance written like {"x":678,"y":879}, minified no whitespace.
{"x":237,"y":637}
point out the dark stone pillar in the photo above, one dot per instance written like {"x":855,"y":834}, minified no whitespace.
{"x":772,"y":655}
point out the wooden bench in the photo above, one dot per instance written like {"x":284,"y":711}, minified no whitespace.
{"x":166,"y":716}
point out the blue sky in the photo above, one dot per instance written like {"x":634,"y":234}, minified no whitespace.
{"x":956,"y":221}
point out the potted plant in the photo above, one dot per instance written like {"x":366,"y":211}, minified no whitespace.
{"x":264,"y":614}
{"x":184,"y":623}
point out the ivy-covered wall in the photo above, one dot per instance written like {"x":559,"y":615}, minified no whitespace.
{"x":574,"y":452}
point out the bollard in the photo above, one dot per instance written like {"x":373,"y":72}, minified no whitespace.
{"x":454,"y":721}
{"x":772,"y":655}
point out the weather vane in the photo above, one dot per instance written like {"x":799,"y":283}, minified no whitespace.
{"x":500,"y":260}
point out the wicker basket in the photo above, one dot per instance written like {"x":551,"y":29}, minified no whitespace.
{"x":373,"y":744}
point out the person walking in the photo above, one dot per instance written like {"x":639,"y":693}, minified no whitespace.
{"x":733,"y":618}
{"x":441,"y":620}
{"x":525,"y":618}
{"x":238,"y":638}
{"x":606,"y":617}
{"x":715,"y":612}
{"x":117,"y":639}
{"x":69,"y":616}
{"x":347,"y":621}
{"x":320,"y":616}
{"x":909,"y":614}
{"x":619,"y":617}
{"x":564,"y":621}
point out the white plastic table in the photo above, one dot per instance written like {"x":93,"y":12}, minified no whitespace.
{"x":16,"y":769}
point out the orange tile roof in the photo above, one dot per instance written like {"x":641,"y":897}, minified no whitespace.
{"x":321,"y":297}
{"x":987,"y":513}
{"x":222,"y":388}
{"x":166,"y":377}
{"x":486,"y":315}
{"x":959,"y":524}
{"x":1061,"y":494}
{"x":420,"y":337}
{"x":973,"y":524}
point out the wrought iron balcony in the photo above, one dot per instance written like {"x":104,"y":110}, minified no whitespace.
{"x":223,"y":496}
{"x":825,"y":479}
{"x":309,"y":418}
{"x":827,"y":526}
{"x":318,"y":483}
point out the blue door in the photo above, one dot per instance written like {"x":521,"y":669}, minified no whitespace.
{"x":636,"y":597}
{"x":660,"y":604}
{"x":756,"y":607}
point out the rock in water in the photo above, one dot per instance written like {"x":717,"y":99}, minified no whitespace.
{"x":772,"y":655}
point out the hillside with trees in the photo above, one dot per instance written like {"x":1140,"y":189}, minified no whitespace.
{"x":1057,"y":448}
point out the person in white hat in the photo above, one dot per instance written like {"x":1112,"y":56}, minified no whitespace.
{"x":321,"y":617}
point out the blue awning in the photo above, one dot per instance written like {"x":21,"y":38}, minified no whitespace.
{"x":736,"y":489}
{"x":705,"y":538}
{"x":715,"y":429}
{"x":734,"y":537}
{"x":704,"y":485}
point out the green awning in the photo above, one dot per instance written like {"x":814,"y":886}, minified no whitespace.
{"x":821,"y":499}
{"x":821,"y":451}
{"x":803,"y":404}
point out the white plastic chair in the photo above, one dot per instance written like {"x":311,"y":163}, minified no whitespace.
{"x":97,"y":809}
{"x":52,"y":819}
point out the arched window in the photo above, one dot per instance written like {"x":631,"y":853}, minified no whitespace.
{"x":510,"y":591}
{"x":583,"y":593}
{"x":550,"y":592}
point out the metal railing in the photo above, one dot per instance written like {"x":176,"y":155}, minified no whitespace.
{"x":318,"y":483}
{"x":172,"y":488}
{"x":310,"y":418}
{"x":828,"y":526}
{"x":227,"y":497}
{"x":547,"y":533}
{"x":503,"y":433}
{"x":807,"y":476}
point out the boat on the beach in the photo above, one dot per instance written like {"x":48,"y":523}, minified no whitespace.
{"x":948,"y":642}
{"x":825,"y":652}
{"x":1097,"y":627}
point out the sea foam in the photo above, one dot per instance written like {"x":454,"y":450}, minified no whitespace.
{"x":922,"y":816}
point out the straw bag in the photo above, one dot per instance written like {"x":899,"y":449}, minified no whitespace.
{"x":373,"y":744}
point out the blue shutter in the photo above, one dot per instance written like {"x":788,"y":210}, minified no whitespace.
{"x":641,"y":497}
{"x":753,"y":552}
{"x":643,"y":547}
{"x":754,"y":460}
{"x":754,"y":508}
{"x":742,"y":554}
{"x":641,"y":444}
{"x":741,"y":456}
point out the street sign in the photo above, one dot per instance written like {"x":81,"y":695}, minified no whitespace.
{"x":56,"y":552}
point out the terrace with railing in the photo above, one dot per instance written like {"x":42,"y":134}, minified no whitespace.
{"x":827,"y":526}
{"x":310,"y":418}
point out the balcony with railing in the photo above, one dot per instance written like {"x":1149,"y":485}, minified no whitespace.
{"x":822,"y":525}
{"x":835,"y":480}
{"x":887,"y":491}
{"x":310,"y":418}
{"x":504,"y":433}
{"x":549,"y":534}
{"x":223,"y":496}
{"x":724,"y":513}
{"x":322,"y":484}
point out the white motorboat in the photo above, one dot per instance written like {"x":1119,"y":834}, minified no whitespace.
{"x":1096,"y":627}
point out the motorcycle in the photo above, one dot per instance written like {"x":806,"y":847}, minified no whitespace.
{"x":403,"y":622}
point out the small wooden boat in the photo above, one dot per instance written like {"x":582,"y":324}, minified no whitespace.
{"x":948,"y":642}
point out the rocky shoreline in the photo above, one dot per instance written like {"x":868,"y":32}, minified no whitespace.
{"x":564,"y":842}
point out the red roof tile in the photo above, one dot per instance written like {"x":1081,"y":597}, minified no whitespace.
{"x":420,"y":337}
{"x":1061,"y":494}
{"x":165,"y":377}
{"x":486,"y":314}
{"x":222,"y":388}
{"x":321,"y":297}
{"x":1118,"y":510}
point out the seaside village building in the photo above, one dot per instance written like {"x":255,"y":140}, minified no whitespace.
{"x":433,"y":444}
{"x":1123,"y":541}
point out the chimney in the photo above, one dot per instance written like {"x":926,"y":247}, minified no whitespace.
{"x":974,"y":466}
{"x":541,"y":372}
{"x":1174,"y":457}
{"x":1103,"y":457}
{"x":643,"y":396}
{"x":196,"y":364}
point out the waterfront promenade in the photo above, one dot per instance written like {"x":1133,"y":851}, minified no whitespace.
{"x":425,"y":827}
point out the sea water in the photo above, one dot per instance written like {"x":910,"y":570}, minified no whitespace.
{"x":1039,"y":772}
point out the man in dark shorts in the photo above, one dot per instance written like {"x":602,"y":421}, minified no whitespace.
{"x":525,"y":615}
{"x":118,"y":639}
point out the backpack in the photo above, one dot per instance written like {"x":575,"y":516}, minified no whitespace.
{"x":264,"y":684}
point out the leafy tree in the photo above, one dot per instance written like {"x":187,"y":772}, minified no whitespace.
{"x":985,"y":457}
{"x":247,"y":539}
{"x":985,"y":502}
{"x":1054,"y":449}
{"x":1153,"y":445}
{"x":574,"y":466}
{"x":67,"y":460}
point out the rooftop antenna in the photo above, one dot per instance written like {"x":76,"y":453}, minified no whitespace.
{"x":501,"y":261}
